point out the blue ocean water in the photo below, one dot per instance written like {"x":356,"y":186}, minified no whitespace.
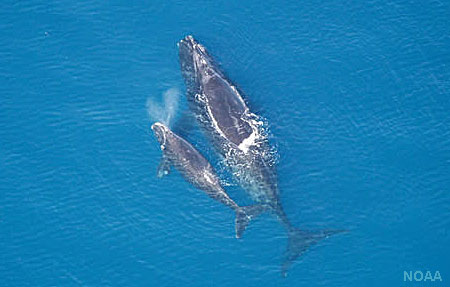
{"x":356,"y":94}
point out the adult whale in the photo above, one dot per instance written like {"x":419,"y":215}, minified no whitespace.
{"x":239,"y":136}
{"x":196,"y":169}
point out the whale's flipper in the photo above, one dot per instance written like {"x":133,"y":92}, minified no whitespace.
{"x":164,"y":167}
{"x":300,"y":241}
{"x":244,"y":215}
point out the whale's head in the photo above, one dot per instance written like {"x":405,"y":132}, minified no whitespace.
{"x":161,"y":132}
{"x":195,"y":63}
{"x":186,"y":50}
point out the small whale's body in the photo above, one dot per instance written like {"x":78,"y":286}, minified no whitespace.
{"x":197,"y":170}
{"x":239,"y":137}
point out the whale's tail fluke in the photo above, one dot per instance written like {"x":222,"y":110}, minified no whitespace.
{"x":244,"y":215}
{"x":300,"y":241}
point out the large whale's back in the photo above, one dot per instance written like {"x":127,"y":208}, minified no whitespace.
{"x":227,"y":109}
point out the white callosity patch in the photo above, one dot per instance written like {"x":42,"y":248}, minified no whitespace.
{"x":163,"y":134}
{"x":208,"y":176}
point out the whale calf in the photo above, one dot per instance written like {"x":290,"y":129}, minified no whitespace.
{"x":239,"y":137}
{"x":196,"y":169}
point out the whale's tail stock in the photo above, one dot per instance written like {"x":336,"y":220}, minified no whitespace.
{"x":299,"y":241}
{"x":244,"y":215}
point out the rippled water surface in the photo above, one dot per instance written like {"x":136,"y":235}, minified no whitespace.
{"x":356,"y":95}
